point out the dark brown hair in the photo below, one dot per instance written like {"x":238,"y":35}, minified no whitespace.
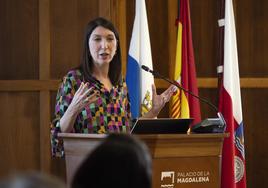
{"x":87,"y":62}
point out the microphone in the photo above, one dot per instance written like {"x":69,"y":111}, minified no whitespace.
{"x":146,"y":68}
{"x":209,"y":125}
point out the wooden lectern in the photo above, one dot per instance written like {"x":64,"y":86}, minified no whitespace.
{"x":179,"y":160}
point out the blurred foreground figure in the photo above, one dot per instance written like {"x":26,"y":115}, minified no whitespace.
{"x":32,"y":180}
{"x":121,"y":161}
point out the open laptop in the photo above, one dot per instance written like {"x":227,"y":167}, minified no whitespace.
{"x":161,"y":126}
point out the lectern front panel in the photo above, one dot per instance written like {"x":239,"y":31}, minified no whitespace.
{"x":180,"y":160}
{"x":186,"y":172}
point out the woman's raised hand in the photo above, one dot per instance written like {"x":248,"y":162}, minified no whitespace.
{"x":159,"y":101}
{"x":83,"y":97}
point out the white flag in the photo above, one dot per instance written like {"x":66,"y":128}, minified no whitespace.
{"x":140,"y":82}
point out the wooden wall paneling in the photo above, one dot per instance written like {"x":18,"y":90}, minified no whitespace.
{"x":204,"y":18}
{"x":58,"y":167}
{"x":19,"y":135}
{"x":67,"y":33}
{"x":64,"y":51}
{"x":159,"y":34}
{"x":44,"y":74}
{"x":244,"y":29}
{"x":252,"y":38}
{"x":105,"y":9}
{"x":254,"y":106}
{"x":130,"y":15}
{"x":52,"y":85}
{"x":28,"y":85}
{"x":44,"y":40}
{"x":211,"y":94}
{"x":118,"y":17}
{"x":45,"y":149}
{"x":19,"y":110}
{"x":18,"y":39}
{"x":68,"y":22}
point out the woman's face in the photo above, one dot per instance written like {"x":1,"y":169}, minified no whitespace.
{"x":102,"y":45}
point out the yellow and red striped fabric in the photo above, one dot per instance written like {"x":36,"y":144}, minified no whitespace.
{"x":184,"y":105}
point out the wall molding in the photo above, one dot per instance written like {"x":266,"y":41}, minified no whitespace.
{"x":52,"y":85}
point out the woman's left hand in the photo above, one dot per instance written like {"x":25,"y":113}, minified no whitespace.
{"x":159,"y":101}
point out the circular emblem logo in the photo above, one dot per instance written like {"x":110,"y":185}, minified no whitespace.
{"x":239,"y":169}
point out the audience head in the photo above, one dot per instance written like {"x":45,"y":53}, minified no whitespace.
{"x":120,"y":161}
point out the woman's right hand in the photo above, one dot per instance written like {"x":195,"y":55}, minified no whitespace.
{"x":83,"y":98}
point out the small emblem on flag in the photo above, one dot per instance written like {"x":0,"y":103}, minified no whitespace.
{"x":146,"y":103}
{"x":239,"y":169}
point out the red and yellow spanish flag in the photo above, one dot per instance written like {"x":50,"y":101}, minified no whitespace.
{"x":184,"y":105}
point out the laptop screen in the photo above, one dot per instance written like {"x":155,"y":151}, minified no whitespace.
{"x":161,"y":126}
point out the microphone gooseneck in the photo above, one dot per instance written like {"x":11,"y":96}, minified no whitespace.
{"x":209,"y":125}
{"x":173,"y":82}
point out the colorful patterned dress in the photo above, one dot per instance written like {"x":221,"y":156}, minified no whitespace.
{"x":111,"y":112}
